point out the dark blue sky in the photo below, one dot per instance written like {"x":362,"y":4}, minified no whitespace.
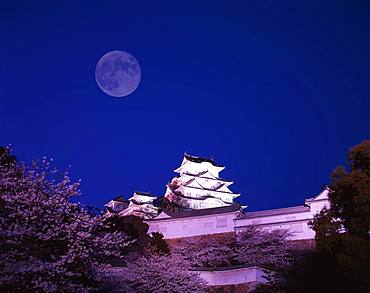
{"x":276,"y":91}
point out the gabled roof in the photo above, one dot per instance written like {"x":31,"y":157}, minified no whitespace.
{"x":209,"y":189}
{"x":163,"y":215}
{"x":111,"y":210}
{"x":198,"y":213}
{"x":323,"y":195}
{"x":276,"y":212}
{"x":144,"y":193}
{"x":145,"y":197}
{"x":200,"y":186}
{"x":199,"y":175}
{"x":120,"y":198}
{"x":134,"y":208}
{"x":146,"y":203}
{"x":196,"y":159}
{"x":201,"y":198}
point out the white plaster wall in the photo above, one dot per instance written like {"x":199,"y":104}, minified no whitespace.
{"x":296,"y":224}
{"x":317,"y":206}
{"x":188,"y":227}
{"x":233,"y":277}
{"x":206,"y":203}
{"x":195,"y":192}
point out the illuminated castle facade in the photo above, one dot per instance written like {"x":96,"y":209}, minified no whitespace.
{"x":199,"y":202}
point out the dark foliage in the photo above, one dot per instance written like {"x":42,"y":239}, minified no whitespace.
{"x":159,"y":244}
{"x":341,"y":259}
{"x":5,"y":157}
{"x":343,"y":231}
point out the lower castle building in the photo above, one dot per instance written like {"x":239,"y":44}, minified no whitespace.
{"x":232,"y":219}
{"x":198,"y":202}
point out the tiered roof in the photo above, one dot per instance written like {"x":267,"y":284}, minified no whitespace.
{"x":199,"y":181}
{"x":140,"y":197}
{"x":120,"y":198}
{"x":117,"y":204}
{"x":141,"y":204}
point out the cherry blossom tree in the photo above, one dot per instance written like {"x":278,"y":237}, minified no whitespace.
{"x":162,"y":273}
{"x":48,"y":242}
{"x":269,"y":249}
{"x":155,"y":270}
{"x":207,"y":252}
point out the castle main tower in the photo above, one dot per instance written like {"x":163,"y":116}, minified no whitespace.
{"x":198,"y":185}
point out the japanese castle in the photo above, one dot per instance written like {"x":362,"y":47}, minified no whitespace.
{"x":199,"y":202}
{"x":199,"y":186}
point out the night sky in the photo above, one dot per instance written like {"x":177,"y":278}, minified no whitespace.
{"x":276,"y":91}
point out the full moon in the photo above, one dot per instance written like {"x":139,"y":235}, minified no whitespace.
{"x":118,"y":74}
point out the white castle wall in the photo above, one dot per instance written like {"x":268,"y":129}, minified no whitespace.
{"x":193,"y":226}
{"x":233,"y":276}
{"x":294,"y":219}
{"x":296,"y":224}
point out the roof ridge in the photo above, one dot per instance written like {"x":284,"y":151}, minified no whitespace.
{"x":119,"y":197}
{"x":277,"y":211}
{"x":144,"y":193}
{"x":197,"y":159}
{"x":284,"y":208}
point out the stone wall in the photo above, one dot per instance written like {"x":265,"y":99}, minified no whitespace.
{"x":240,"y":288}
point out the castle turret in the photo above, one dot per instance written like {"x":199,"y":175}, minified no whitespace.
{"x":141,"y":204}
{"x":117,"y":204}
